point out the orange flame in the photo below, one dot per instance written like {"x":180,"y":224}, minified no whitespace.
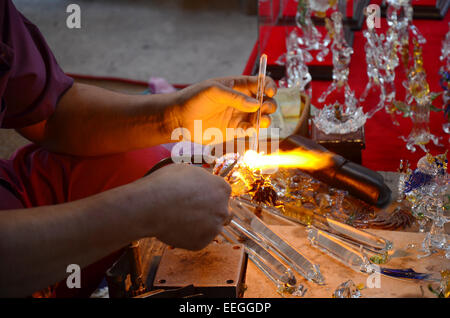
{"x":297,"y":158}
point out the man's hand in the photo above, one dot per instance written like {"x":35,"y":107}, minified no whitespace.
{"x":189,"y":205}
{"x":222,"y":103}
{"x":181,"y":205}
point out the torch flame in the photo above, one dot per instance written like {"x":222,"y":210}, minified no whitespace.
{"x":297,"y":158}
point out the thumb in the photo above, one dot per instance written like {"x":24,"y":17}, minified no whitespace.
{"x":237,"y":100}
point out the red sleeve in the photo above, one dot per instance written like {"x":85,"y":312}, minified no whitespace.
{"x":8,"y":201}
{"x":31,"y":81}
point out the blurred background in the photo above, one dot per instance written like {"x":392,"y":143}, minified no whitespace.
{"x":184,"y":41}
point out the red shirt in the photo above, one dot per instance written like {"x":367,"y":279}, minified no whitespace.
{"x":31,"y":83}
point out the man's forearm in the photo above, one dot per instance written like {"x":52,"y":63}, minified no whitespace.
{"x":37,"y":245}
{"x":91,"y":121}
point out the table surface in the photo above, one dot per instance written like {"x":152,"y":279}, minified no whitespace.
{"x":404,"y":256}
{"x":336,"y":273}
{"x":406,"y":248}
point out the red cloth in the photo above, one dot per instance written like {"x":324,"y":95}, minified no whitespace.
{"x":424,"y":2}
{"x":384,"y":148}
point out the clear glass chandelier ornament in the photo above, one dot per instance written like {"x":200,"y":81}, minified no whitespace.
{"x":337,"y":118}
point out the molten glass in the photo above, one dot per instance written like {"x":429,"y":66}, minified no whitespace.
{"x":297,"y":158}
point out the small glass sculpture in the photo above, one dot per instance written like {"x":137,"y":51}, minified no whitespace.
{"x":445,"y":79}
{"x":301,"y":41}
{"x":321,"y":6}
{"x":420,"y":103}
{"x":347,"y":289}
{"x":337,"y":118}
{"x":382,"y":54}
{"x":390,"y":59}
{"x":381,"y":60}
{"x":443,"y":291}
{"x":309,"y":37}
{"x":372,"y":49}
{"x":342,"y":53}
{"x":427,"y":189}
{"x":400,"y":16}
{"x":295,"y":59}
{"x":404,"y":171}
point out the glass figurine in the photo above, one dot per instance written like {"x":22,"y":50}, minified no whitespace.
{"x":301,"y":41}
{"x":419,"y":101}
{"x":404,"y":172}
{"x":445,"y":79}
{"x":400,"y":16}
{"x":295,"y":59}
{"x":374,"y":50}
{"x":382,"y":54}
{"x":342,"y":53}
{"x":321,"y":6}
{"x":309,"y":38}
{"x":427,"y":189}
{"x":337,"y":118}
